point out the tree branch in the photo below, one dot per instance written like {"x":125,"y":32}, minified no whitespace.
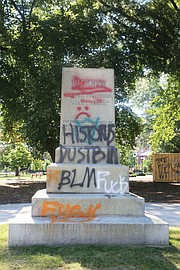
{"x":104,"y":4}
{"x":16,"y":8}
{"x":2,"y":48}
{"x":31,"y":10}
{"x":121,"y":11}
{"x":174,"y":4}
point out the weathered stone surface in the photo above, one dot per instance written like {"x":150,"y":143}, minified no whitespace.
{"x":87,"y":178}
{"x":86,"y":205}
{"x":25,"y":230}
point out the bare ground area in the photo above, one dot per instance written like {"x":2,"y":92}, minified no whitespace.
{"x":21,"y":191}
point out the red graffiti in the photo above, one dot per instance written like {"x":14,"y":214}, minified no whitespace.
{"x":95,"y":100}
{"x":87,"y":87}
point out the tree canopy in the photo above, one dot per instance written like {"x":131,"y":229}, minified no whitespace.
{"x":38,"y":38}
{"x":160,"y":99}
{"x":15,"y":157}
{"x":165,"y":113}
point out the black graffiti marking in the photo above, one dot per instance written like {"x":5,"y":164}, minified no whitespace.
{"x":88,"y":133}
{"x":176,"y":168}
{"x":162,"y":169}
{"x":162,"y":159}
{"x":93,"y":154}
{"x":69,"y":177}
{"x":166,"y":168}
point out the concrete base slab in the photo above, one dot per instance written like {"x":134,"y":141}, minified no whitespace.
{"x":44,"y":204}
{"x":25,"y":230}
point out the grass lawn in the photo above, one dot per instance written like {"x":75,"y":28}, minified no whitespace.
{"x":90,"y":257}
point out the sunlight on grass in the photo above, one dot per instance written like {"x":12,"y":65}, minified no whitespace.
{"x":175,"y":242}
{"x":90,"y":257}
{"x":175,"y":236}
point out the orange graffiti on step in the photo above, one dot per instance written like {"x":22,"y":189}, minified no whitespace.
{"x":53,"y":175}
{"x":59,"y":212}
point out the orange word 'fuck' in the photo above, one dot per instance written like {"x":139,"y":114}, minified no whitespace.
{"x":59,"y":212}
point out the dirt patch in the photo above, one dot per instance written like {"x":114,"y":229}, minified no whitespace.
{"x":22,"y":191}
{"x":156,"y":192}
{"x":19,"y":192}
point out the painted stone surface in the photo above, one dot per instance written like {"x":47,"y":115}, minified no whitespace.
{"x":87,"y":154}
{"x":87,"y":136}
{"x":86,"y":205}
{"x":87,"y":107}
{"x":92,"y":178}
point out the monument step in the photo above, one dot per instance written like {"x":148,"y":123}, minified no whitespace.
{"x":87,"y":178}
{"x":86,"y":205}
{"x":25,"y":230}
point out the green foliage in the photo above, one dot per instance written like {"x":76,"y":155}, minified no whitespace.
{"x":4,"y":157}
{"x":148,"y":30}
{"x":38,"y":38}
{"x":146,"y":89}
{"x":160,"y":99}
{"x":128,"y":127}
{"x":165,"y":113}
{"x":147,"y":164}
{"x":18,"y":157}
{"x":37,"y":165}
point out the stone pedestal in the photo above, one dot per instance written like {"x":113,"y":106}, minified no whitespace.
{"x":26,"y":230}
{"x":87,"y":199}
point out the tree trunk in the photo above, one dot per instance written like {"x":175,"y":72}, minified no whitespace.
{"x":52,"y":154}
{"x":17,"y":171}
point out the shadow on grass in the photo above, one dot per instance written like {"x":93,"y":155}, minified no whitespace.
{"x":90,"y":257}
{"x":98,"y":257}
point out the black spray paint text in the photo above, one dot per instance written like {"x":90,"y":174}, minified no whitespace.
{"x":92,"y":154}
{"x":97,"y":179}
{"x":88,"y":133}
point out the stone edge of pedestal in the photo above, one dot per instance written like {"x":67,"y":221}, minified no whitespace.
{"x":44,"y":204}
{"x":148,"y":230}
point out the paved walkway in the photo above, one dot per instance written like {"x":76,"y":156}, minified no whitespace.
{"x":166,"y":211}
{"x":145,"y":178}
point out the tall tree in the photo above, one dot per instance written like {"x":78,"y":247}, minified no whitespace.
{"x":165,"y":115}
{"x":148,"y":31}
{"x":39,"y":37}
{"x":160,"y":100}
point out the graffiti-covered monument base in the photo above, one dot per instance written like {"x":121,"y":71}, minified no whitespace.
{"x":87,"y":198}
